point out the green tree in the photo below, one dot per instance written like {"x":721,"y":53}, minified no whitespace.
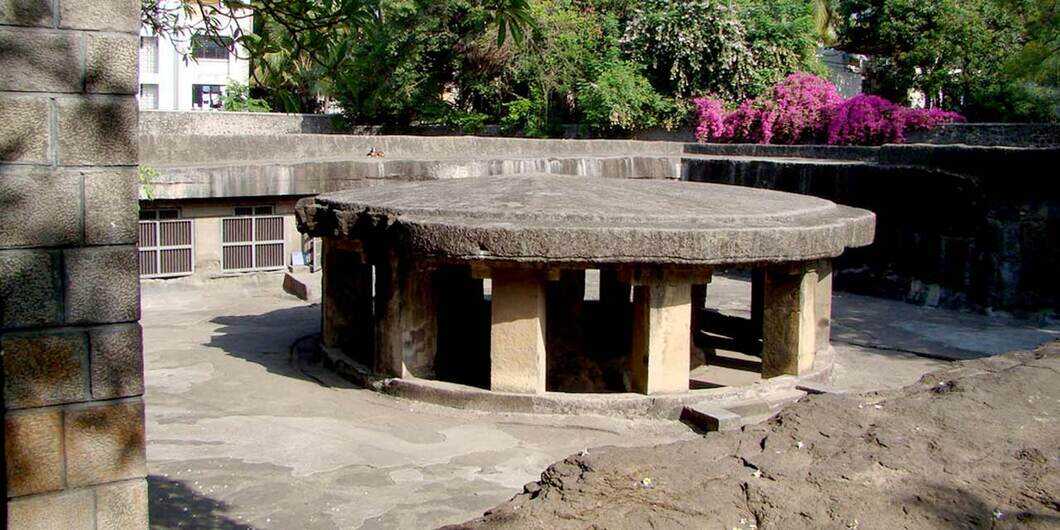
{"x":987,"y":58}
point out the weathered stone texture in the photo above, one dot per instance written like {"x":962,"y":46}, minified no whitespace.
{"x":26,"y":12}
{"x":44,"y":368}
{"x":68,"y":510}
{"x":34,"y":451}
{"x":34,"y":60}
{"x":105,"y":443}
{"x":42,"y":207}
{"x":24,"y":136}
{"x":117,"y":363}
{"x":110,"y":15}
{"x":111,"y":212}
{"x":517,"y":339}
{"x":100,"y":130}
{"x":102,"y":285}
{"x":111,"y":64}
{"x":122,"y":505}
{"x":661,"y":354}
{"x":31,"y":291}
{"x":789,"y":326}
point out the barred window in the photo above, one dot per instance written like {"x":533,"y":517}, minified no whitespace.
{"x":206,"y":47}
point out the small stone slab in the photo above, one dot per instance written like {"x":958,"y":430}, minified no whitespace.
{"x":711,"y":418}
{"x":544,"y":218}
{"x":304,"y":286}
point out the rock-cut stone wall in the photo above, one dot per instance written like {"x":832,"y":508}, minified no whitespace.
{"x":69,"y":290}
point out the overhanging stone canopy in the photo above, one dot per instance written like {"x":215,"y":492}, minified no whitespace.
{"x":427,"y":247}
{"x":563,"y":219}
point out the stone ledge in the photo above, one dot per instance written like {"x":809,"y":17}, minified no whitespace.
{"x":773,"y":392}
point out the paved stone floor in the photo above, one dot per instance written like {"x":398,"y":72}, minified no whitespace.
{"x":238,"y":438}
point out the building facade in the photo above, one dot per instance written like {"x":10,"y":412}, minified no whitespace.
{"x":190,"y":71}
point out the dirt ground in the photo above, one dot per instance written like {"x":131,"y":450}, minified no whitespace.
{"x":973,"y":445}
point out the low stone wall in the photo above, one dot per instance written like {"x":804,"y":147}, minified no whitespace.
{"x":183,"y":122}
{"x":956,"y":226}
{"x":201,"y":150}
{"x":995,"y":134}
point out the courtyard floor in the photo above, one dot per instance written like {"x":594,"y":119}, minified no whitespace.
{"x":238,"y":437}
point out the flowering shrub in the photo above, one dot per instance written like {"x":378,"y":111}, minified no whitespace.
{"x":805,"y":108}
{"x":803,"y":103}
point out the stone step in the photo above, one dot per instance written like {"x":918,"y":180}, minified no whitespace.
{"x":710,"y":416}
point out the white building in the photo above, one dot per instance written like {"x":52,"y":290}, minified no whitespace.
{"x":189,"y":72}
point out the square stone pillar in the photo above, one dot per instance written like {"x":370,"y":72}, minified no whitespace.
{"x":517,"y":334}
{"x":822,"y":303}
{"x":347,"y":301}
{"x":789,"y":326}
{"x":406,"y":325}
{"x":662,"y":319}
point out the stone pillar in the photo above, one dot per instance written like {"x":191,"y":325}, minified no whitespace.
{"x":347,"y":301}
{"x":69,"y":279}
{"x":662,"y":317}
{"x":406,"y":325}
{"x":789,"y":326}
{"x":517,"y":334}
{"x":822,"y":304}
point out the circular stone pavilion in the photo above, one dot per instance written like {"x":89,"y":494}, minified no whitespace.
{"x":404,"y":267}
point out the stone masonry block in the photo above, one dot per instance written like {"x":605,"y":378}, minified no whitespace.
{"x":111,"y":65}
{"x":42,"y":207}
{"x":99,"y":130}
{"x":24,"y":136}
{"x":102,"y":285}
{"x":69,"y":510}
{"x":122,"y":505}
{"x":30,"y":288}
{"x":34,"y":451}
{"x":44,"y":368}
{"x":26,"y":12}
{"x":108,"y":15}
{"x":104,"y":443}
{"x":111,"y":206}
{"x":116,"y":361}
{"x":36,"y":60}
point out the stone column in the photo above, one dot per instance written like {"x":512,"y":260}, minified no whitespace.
{"x":822,"y":303}
{"x":662,"y":317}
{"x":406,"y":329}
{"x":517,"y":334}
{"x":789,"y":325}
{"x":69,"y":279}
{"x":347,"y":301}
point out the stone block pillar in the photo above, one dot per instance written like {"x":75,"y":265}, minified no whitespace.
{"x":517,"y":334}
{"x":406,"y":324}
{"x":822,"y":304}
{"x":347,"y":301}
{"x":661,"y":342}
{"x":789,"y":325}
{"x":69,"y":281}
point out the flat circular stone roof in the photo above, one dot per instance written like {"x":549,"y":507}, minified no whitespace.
{"x":557,"y":218}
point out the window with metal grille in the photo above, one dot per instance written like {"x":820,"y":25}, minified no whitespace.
{"x":252,"y":240}
{"x":149,"y":55}
{"x":207,"y":47}
{"x":166,"y":244}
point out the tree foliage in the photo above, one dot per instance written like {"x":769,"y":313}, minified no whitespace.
{"x":971,"y":55}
